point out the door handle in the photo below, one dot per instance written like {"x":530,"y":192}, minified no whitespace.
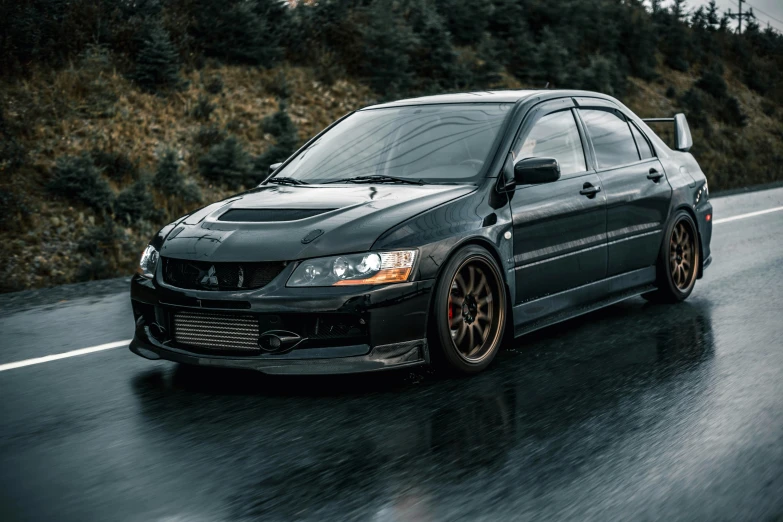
{"x":589,"y":190}
{"x":654,"y":175}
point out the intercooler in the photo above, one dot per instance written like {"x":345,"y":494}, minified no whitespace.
{"x":215,"y":331}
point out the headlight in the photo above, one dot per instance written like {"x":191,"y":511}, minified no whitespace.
{"x":148,"y":262}
{"x":373,"y":268}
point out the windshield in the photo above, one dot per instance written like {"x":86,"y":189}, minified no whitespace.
{"x":431,"y":143}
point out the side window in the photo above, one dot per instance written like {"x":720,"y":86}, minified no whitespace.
{"x":554,"y":136}
{"x":612,"y":139}
{"x":645,"y":149}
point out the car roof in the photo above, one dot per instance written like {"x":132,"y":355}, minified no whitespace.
{"x":501,"y":96}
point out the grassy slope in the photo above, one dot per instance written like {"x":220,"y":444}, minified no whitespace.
{"x":94,"y":107}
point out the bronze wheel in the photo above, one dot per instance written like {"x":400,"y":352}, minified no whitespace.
{"x":678,"y":261}
{"x":470,"y":310}
{"x":681,"y":254}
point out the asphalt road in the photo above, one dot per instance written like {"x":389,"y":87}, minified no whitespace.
{"x":635,"y":412}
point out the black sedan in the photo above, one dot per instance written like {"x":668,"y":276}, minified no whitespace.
{"x":428,"y":231}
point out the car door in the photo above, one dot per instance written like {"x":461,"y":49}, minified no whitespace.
{"x":559,"y":227}
{"x":636,"y":190}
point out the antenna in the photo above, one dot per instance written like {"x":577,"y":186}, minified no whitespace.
{"x":546,"y":86}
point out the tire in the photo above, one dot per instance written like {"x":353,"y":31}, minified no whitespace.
{"x":678,"y":261}
{"x":469,"y":312}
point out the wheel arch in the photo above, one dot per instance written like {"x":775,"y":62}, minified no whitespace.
{"x":692,"y":214}
{"x":493,"y":251}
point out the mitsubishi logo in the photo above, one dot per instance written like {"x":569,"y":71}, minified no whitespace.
{"x":210,"y":279}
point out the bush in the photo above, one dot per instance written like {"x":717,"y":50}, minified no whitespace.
{"x":671,"y":92}
{"x":77,"y":178}
{"x":157,"y":63}
{"x":203,"y":108}
{"x":694,"y":107}
{"x":106,"y":246}
{"x":712,"y":82}
{"x":214,"y":84}
{"x":135,"y":204}
{"x":732,"y":114}
{"x":226,"y":163}
{"x":116,"y":165}
{"x":283,"y":129}
{"x":171,"y":183}
{"x":15,"y":207}
{"x":209,"y":136}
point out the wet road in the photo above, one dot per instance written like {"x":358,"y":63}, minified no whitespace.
{"x":637,"y":411}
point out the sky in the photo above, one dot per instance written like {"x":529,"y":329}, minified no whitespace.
{"x":765,"y":10}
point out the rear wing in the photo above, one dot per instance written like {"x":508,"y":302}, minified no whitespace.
{"x":682,"y":133}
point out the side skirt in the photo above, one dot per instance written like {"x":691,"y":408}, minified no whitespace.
{"x":546,"y":311}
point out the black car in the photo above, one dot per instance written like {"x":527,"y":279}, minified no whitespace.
{"x":427,"y":230}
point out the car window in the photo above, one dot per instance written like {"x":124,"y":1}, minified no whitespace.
{"x":645,"y":150}
{"x":611,"y":136}
{"x":433,"y":143}
{"x":554,"y":136}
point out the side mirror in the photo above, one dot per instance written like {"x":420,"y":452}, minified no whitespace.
{"x":682,"y":133}
{"x":536,"y":170}
{"x":273,"y":167}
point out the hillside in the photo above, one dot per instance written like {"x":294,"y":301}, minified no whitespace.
{"x":112,"y":136}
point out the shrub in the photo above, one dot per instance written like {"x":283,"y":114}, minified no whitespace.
{"x":135,"y":204}
{"x":283,"y":129}
{"x":209,"y":136}
{"x":712,"y":82}
{"x":214,"y":84}
{"x":732,"y":114}
{"x":671,"y":92}
{"x":157,"y":63}
{"x":116,"y":165}
{"x":171,"y":183}
{"x":106,"y":246}
{"x":203,"y":108}
{"x":15,"y":207}
{"x":77,"y":178}
{"x":226,"y":163}
{"x":694,"y":106}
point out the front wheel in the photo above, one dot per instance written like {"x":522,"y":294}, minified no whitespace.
{"x":469,"y":311}
{"x":678,"y":260}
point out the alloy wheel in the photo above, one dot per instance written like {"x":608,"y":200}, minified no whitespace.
{"x":475,"y":309}
{"x":681,"y":255}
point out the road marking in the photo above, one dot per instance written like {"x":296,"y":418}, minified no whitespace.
{"x":743,"y":216}
{"x":64,"y":355}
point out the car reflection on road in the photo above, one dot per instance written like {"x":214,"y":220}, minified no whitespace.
{"x":413,"y":445}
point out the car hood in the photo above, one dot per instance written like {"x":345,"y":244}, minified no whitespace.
{"x":349,"y":218}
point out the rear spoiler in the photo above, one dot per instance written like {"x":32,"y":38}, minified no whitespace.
{"x":682,"y":133}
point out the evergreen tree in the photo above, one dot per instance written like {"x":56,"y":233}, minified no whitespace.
{"x":283,"y":129}
{"x":226,"y":163}
{"x":157,"y":63}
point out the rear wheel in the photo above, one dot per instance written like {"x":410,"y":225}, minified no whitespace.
{"x":469,"y":311}
{"x":678,"y":261}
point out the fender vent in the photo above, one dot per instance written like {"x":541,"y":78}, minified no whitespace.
{"x":261,"y":215}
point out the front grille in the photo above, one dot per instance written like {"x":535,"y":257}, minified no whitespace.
{"x":216,"y":331}
{"x":203,"y":275}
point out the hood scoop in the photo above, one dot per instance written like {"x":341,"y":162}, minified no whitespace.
{"x":270,"y":215}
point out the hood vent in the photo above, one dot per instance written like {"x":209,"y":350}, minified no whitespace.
{"x":256,"y":215}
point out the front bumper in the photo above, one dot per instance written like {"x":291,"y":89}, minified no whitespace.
{"x":393,"y":332}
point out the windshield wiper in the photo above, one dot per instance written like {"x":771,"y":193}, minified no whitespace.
{"x":287,"y":181}
{"x":377,"y":178}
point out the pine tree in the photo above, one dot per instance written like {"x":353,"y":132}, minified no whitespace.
{"x":283,"y":129}
{"x":157,"y":63}
{"x":227,"y":163}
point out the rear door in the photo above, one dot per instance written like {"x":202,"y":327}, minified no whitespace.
{"x":559,"y":227}
{"x":637,"y":193}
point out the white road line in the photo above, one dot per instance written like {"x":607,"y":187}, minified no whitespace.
{"x":73,"y":353}
{"x":743,"y":216}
